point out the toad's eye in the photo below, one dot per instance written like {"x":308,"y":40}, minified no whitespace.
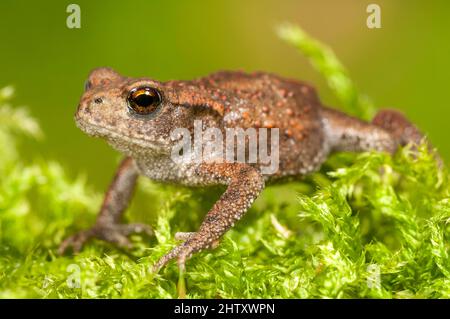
{"x":144,"y":100}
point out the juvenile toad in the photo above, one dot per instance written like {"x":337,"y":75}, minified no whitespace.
{"x":137,"y":116}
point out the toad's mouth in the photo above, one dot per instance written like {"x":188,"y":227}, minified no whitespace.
{"x":122,"y":142}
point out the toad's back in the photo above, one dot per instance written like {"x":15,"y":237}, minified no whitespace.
{"x":269,"y":101}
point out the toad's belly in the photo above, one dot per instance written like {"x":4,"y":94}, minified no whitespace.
{"x":165,"y":170}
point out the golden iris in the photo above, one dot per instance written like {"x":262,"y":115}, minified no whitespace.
{"x":144,"y":100}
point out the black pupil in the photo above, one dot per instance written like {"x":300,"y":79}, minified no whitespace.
{"x":146,"y":99}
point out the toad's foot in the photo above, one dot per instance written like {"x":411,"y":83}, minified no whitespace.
{"x":115,"y":234}
{"x":185,"y":250}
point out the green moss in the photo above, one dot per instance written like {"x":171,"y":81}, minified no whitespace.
{"x":367,"y":225}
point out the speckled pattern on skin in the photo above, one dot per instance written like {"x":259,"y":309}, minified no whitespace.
{"x":308,"y":130}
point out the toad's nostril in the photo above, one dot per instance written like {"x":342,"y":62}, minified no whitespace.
{"x":98,"y":100}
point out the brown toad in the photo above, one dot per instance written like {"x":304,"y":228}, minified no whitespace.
{"x":138,"y":116}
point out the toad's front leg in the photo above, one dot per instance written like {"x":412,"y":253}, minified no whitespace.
{"x":108,"y":226}
{"x":245,"y":183}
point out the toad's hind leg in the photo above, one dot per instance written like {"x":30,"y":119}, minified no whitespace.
{"x":399,"y":126}
{"x":108,"y":226}
{"x":388,"y":130}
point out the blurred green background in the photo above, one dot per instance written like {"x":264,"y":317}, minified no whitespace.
{"x":405,"y":64}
